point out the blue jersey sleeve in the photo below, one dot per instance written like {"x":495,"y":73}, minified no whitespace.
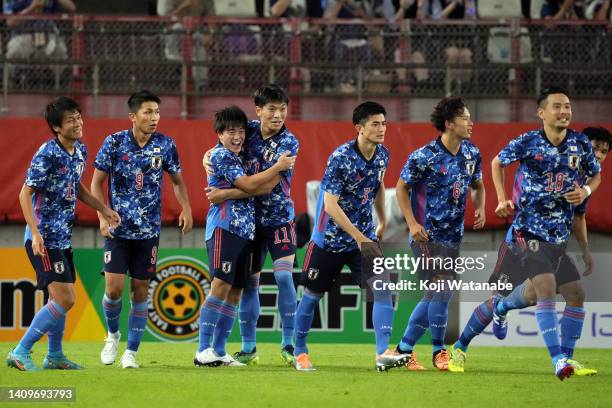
{"x":414,"y":170}
{"x":478,"y":170}
{"x":515,"y":150}
{"x":39,"y":169}
{"x":171,"y":161}
{"x":227,"y":165}
{"x":590,"y":165}
{"x":104,"y":158}
{"x":332,"y":179}
{"x":291,"y":145}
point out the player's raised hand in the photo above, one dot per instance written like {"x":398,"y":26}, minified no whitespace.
{"x":576,"y":196}
{"x":418,"y":233}
{"x":185,"y":221}
{"x":505,"y":209}
{"x":215,"y":195}
{"x":38,"y":244}
{"x":479,"y":218}
{"x":285,"y":162}
{"x":207,"y":163}
{"x":588,"y":263}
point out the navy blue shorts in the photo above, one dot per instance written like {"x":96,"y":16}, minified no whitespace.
{"x":229,"y":257}
{"x":433,"y":256}
{"x":55,"y":266}
{"x":321,"y":268}
{"x":136,"y":257}
{"x":508,"y":268}
{"x":567,"y":271}
{"x":280,"y":241}
{"x":538,"y":256}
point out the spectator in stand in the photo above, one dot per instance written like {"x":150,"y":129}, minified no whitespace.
{"x":598,"y":10}
{"x":35,"y":38}
{"x":456,"y":50}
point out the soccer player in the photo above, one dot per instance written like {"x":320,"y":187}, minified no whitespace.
{"x":552,"y":162}
{"x":134,"y":160}
{"x":230,"y":230}
{"x":523,"y":295}
{"x":266,"y":140}
{"x":48,"y":200}
{"x":352,"y":183}
{"x":432,"y":191}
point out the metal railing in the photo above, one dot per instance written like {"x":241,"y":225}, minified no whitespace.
{"x":193,"y":57}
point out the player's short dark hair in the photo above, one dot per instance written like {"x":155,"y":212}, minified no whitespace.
{"x":269,"y":94}
{"x":600,"y":134}
{"x":363,"y":111}
{"x":228,"y":118}
{"x":550,"y":91}
{"x":137,"y":99}
{"x":54,"y":112}
{"x":447,"y":110}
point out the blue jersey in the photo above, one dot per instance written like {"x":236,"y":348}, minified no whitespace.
{"x":545,"y":173}
{"x":356,"y":181}
{"x":136,"y":179}
{"x":56,"y":176}
{"x":235,"y":216}
{"x":275,"y":208}
{"x":439,"y":182}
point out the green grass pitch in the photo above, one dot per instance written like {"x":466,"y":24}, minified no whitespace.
{"x":345,"y":377}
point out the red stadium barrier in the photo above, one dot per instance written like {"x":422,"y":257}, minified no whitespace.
{"x":21,"y":137}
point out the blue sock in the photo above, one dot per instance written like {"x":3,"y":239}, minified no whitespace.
{"x":55,"y":335}
{"x":417,"y":324}
{"x":137,"y":321}
{"x":223,"y":327}
{"x":515,"y":300}
{"x":248,"y":313}
{"x":287,"y":302}
{"x":438,"y":318}
{"x":303,"y":320}
{"x":209,"y":315}
{"x":546,"y":315}
{"x":571,"y":329}
{"x":382,"y":318}
{"x":112,"y":310}
{"x":480,"y":319}
{"x":46,"y":318}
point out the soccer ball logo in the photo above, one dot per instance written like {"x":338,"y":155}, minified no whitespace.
{"x":177,"y":294}
{"x":180,"y":299}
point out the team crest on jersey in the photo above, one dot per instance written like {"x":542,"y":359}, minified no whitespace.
{"x":226,"y":267}
{"x":313,"y":273}
{"x":470,"y":166}
{"x":573,"y":161}
{"x":107,"y":257}
{"x":268,"y":154}
{"x":156,"y":162}
{"x":534,"y":245}
{"x":381,"y":175}
{"x":58,"y":267}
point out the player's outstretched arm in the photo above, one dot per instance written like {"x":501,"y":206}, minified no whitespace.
{"x":579,"y":231}
{"x":478,"y":197}
{"x":111,"y":217}
{"x":253,"y":184}
{"x":379,"y":207}
{"x":402,"y":192}
{"x":219,"y":195}
{"x":505,"y":207}
{"x":25,"y":200}
{"x":182,"y":196}
{"x":339,"y":216}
